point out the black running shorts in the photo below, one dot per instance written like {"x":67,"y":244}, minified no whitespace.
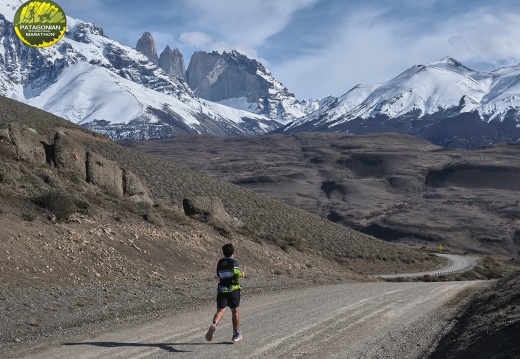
{"x":230,"y":299}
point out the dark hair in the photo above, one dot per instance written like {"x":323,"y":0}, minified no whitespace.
{"x":228,"y":249}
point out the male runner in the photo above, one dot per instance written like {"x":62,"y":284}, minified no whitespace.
{"x":228,"y":291}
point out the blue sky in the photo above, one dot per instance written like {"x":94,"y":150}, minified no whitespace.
{"x":318,"y":48}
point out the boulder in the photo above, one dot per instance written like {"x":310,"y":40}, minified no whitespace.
{"x":27,"y":143}
{"x":210,"y":209}
{"x":4,"y":133}
{"x":6,"y":146}
{"x":134,"y":188}
{"x":104,"y":173}
{"x":68,"y":154}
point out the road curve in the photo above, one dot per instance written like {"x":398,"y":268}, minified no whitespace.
{"x":353,"y":320}
{"x":457,"y":263}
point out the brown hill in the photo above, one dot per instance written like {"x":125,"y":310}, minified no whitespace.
{"x":108,"y":214}
{"x":396,"y":187}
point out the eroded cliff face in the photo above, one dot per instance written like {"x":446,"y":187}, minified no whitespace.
{"x":172,"y":61}
{"x":217,"y":77}
{"x":233,"y":76}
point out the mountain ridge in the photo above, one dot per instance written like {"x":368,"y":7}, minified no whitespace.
{"x":444,"y":102}
{"x":144,"y":102}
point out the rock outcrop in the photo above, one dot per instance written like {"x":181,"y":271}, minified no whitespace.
{"x":72,"y":159}
{"x":146,"y":45}
{"x":134,"y":188}
{"x":68,"y":154}
{"x":104,"y":173}
{"x":209,"y":209}
{"x":172,"y":62}
{"x":26,"y":143}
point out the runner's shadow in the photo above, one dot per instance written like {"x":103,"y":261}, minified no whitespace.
{"x":169,"y":347}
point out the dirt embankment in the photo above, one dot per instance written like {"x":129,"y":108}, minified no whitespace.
{"x":489,"y":327}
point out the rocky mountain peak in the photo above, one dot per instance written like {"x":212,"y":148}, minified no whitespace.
{"x":444,"y":102}
{"x":82,"y":32}
{"x":243,"y":62}
{"x":172,"y":61}
{"x":146,"y":45}
{"x":449,"y":63}
{"x":110,"y":87}
{"x":233,"y":79}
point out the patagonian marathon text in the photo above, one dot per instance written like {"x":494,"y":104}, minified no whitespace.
{"x":40,"y":27}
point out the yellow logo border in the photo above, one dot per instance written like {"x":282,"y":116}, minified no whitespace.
{"x":40,"y":23}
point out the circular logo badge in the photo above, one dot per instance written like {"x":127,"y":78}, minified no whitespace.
{"x":40,"y":23}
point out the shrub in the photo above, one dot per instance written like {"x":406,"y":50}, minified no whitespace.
{"x":470,"y":275}
{"x":29,"y":217}
{"x":489,"y":273}
{"x":57,"y":202}
{"x":295,"y":241}
{"x":154,"y":218}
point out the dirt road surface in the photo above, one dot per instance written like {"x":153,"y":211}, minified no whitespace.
{"x":456,"y":263}
{"x":355,"y":320}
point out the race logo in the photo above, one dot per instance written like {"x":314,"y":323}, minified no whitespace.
{"x":40,"y":23}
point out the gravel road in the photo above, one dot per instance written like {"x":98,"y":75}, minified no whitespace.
{"x":456,"y":263}
{"x":355,"y":320}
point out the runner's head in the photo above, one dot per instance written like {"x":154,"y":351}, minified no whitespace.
{"x":228,"y":249}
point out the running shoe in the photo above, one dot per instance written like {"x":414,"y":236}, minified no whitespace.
{"x":211,"y":330}
{"x":237,"y":336}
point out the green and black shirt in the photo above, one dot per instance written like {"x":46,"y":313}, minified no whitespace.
{"x":229,"y":275}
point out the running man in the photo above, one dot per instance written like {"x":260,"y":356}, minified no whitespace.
{"x":228,"y":291}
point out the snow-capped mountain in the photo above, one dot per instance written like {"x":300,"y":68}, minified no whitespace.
{"x":102,"y":84}
{"x":445,"y":102}
{"x":235,"y":80}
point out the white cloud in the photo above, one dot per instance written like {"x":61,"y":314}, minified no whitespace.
{"x":195,"y":39}
{"x":363,"y":50}
{"x":487,"y":37}
{"x":369,"y":47}
{"x":237,"y":25}
{"x":248,"y":22}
